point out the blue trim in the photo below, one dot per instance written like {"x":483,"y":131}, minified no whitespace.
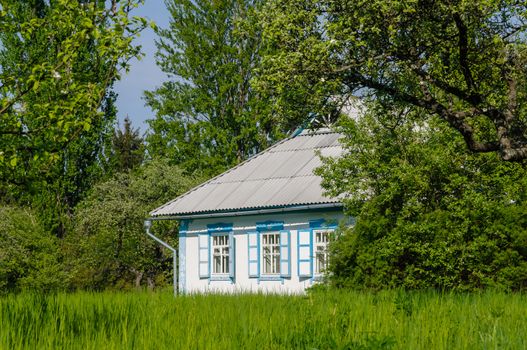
{"x":271,"y":210}
{"x":232,"y":257}
{"x":312,"y":254}
{"x":270,"y":225}
{"x":220,"y":278}
{"x":219,"y":227}
{"x":321,"y":223}
{"x":210,"y":257}
{"x":271,"y":278}
{"x":215,"y":234}
{"x":258,"y":254}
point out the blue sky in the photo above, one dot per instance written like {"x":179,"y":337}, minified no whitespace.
{"x":144,"y":74}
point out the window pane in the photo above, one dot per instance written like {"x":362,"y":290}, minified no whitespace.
{"x":271,"y":253}
{"x":220,"y":254}
{"x":321,"y":250}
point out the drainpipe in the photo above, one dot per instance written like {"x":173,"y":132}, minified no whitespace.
{"x":148,"y":224}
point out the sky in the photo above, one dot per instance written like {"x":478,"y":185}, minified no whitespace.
{"x":143,"y":74}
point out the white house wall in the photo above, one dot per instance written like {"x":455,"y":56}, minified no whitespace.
{"x":189,"y":249}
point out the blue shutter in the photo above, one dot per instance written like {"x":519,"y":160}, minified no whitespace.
{"x":285,"y":254}
{"x":204,"y":255}
{"x":253,"y":252}
{"x":305,"y":253}
{"x":232,"y":257}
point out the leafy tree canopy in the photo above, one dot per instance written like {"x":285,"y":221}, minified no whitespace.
{"x":464,"y":61}
{"x":57,"y":61}
{"x":208,"y":116}
{"x":428,"y":213}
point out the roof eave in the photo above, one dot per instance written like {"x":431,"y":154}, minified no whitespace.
{"x":245,"y":212}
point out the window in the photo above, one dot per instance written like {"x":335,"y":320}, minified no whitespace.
{"x":270,"y":253}
{"x":321,"y":250}
{"x":220,"y":255}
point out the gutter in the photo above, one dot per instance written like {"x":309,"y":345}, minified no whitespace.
{"x":246,"y":212}
{"x":147,"y":225}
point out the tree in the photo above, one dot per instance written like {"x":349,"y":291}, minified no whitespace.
{"x":208,"y":116}
{"x":57,"y":62}
{"x":107,"y":246}
{"x":428,"y":213}
{"x":127,"y":147}
{"x":464,"y":61}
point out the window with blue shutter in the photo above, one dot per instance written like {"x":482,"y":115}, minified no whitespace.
{"x":221,"y":251}
{"x":253,"y":254}
{"x":285,"y":254}
{"x":321,"y":230}
{"x":204,"y":255}
{"x":305,"y":253}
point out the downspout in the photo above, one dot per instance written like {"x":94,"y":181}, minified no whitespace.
{"x":147,"y":225}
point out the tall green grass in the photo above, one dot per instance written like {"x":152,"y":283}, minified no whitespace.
{"x":322,"y":320}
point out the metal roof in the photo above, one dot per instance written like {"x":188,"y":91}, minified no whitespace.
{"x":281,"y":176}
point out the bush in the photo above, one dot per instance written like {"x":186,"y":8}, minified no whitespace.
{"x":29,"y":257}
{"x":108,"y":247}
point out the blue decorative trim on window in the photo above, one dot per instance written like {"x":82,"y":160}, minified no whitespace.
{"x":220,"y":278}
{"x":321,"y":223}
{"x":270,"y":278}
{"x":219,"y":227}
{"x":210,"y":257}
{"x":314,"y":225}
{"x":232,"y":257}
{"x":270,"y":226}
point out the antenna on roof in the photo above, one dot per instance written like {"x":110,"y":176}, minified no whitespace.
{"x":306,"y":125}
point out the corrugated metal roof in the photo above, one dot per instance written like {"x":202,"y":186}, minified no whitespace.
{"x":281,"y":176}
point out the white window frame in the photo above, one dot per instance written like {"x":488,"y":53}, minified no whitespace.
{"x":274,"y":253}
{"x":220,"y":242}
{"x":320,"y":247}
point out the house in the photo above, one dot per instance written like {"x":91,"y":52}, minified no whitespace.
{"x":263,"y":225}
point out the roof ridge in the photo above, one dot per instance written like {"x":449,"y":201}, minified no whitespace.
{"x":265,"y":178}
{"x":303,"y":149}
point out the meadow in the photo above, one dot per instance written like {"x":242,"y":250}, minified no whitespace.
{"x":319,"y":320}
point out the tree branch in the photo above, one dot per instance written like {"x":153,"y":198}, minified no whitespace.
{"x":455,"y":119}
{"x":463,"y":51}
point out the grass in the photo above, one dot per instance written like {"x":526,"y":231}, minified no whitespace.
{"x":322,"y":320}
